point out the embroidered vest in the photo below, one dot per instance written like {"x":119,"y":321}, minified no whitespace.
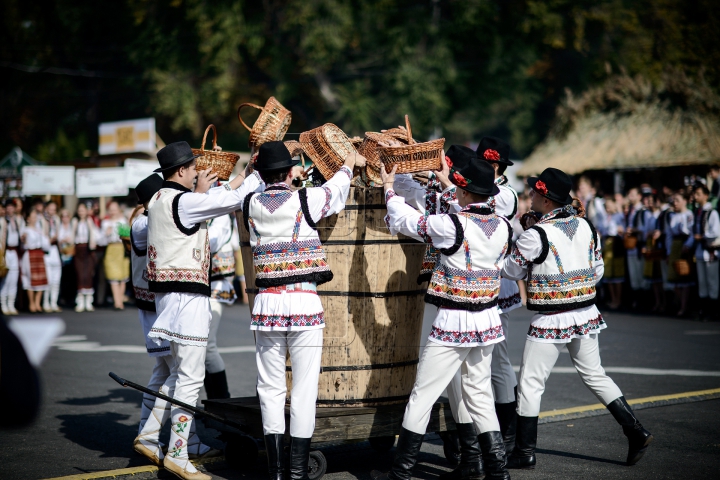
{"x":467,"y":275}
{"x":563,"y":277}
{"x":144,"y":298}
{"x":281,"y":254}
{"x":178,"y":258}
{"x":432,"y":198}
{"x":223,"y":261}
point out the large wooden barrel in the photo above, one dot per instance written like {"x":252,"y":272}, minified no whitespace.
{"x":373,"y":307}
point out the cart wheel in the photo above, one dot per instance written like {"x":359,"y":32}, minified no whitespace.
{"x":241,"y":452}
{"x":317,"y":465}
{"x":451,"y":447}
{"x":382,"y":444}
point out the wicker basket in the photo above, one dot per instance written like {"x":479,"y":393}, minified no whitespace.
{"x":414,"y":157}
{"x":682,"y":267}
{"x":327,"y":147}
{"x":371,"y":175}
{"x":293,"y":147}
{"x":630,"y":242}
{"x":399,"y":134}
{"x":356,"y":141}
{"x":271,"y":125}
{"x":369,"y":148}
{"x":221,"y":163}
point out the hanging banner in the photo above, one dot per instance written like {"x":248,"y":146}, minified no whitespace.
{"x":138,"y":170}
{"x":127,"y":136}
{"x":44,"y":180}
{"x":100,"y":182}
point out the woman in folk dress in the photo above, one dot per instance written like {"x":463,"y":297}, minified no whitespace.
{"x":117,"y":265}
{"x":32,"y":268}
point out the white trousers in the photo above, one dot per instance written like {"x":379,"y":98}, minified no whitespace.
{"x":538,"y":361}
{"x":503,"y":379}
{"x":213,"y":361}
{"x":9,"y":286}
{"x":53,"y":266}
{"x":438,"y":365}
{"x":708,"y":279}
{"x":161,"y":372}
{"x":271,"y":349}
{"x":635,"y":272}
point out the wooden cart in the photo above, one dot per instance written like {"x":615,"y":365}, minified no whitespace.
{"x":333,"y":426}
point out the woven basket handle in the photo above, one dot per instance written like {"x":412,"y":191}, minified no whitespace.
{"x":409,"y":131}
{"x":202,"y":147}
{"x":247,"y":105}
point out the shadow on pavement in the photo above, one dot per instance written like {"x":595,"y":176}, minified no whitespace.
{"x":102,"y":432}
{"x":579,"y":456}
{"x":122,"y":395}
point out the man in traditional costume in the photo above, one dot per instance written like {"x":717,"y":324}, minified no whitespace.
{"x":705,"y":247}
{"x":561,"y":257}
{"x":153,"y":413}
{"x":465,"y":285}
{"x":14,"y":225}
{"x":178,"y":270}
{"x":287,"y":317}
{"x":222,"y":292}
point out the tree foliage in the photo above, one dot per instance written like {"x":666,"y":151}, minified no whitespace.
{"x":459,"y":68}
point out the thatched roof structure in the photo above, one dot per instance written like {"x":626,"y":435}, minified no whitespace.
{"x":628,"y":123}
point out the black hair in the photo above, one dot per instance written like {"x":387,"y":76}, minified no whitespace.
{"x":501,"y":168}
{"x":274,"y":176}
{"x":702,"y":187}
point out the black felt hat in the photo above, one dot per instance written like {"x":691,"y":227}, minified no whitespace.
{"x":470,"y":173}
{"x":493,"y":149}
{"x":273,"y":156}
{"x":174,"y":155}
{"x":148,"y":187}
{"x":553,"y":184}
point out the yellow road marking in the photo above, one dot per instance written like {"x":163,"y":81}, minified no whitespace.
{"x":600,"y":406}
{"x":549,"y":414}
{"x":127,"y":471}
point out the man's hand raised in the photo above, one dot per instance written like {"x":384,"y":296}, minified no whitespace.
{"x":205,"y":179}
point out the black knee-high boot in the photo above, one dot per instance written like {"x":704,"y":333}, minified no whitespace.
{"x":493,"y":455}
{"x":523,"y":455}
{"x":299,"y":458}
{"x":470,"y":467}
{"x":275,"y":448}
{"x":638,"y":438}
{"x":406,"y":453}
{"x":507,"y":417}
{"x":216,"y":385}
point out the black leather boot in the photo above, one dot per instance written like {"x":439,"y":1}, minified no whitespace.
{"x":507,"y":417}
{"x":406,"y":453}
{"x":275,"y":448}
{"x":523,"y":455}
{"x":299,"y":458}
{"x":470,"y":467}
{"x":493,"y":456}
{"x":638,"y":437}
{"x":216,"y":385}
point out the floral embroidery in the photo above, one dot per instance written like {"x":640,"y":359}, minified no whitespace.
{"x":507,"y":302}
{"x":517,"y":257}
{"x":541,"y":187}
{"x":561,"y":289}
{"x":468,"y":258}
{"x":346,"y":171}
{"x":296,"y":227}
{"x":181,"y":426}
{"x":473,"y":337}
{"x":285,"y":321}
{"x":555,"y":253}
{"x":470,"y":287}
{"x":389,"y":194}
{"x":491,"y":154}
{"x":326,"y":207}
{"x":591,"y":326}
{"x":449,"y":196}
{"x":281,"y":259}
{"x":422,"y":230}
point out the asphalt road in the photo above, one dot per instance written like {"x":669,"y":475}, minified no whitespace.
{"x":88,"y":422}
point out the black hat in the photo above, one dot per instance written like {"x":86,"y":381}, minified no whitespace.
{"x":273,"y":156}
{"x":493,"y":149}
{"x":148,"y":187}
{"x":471,"y":174}
{"x":174,"y":155}
{"x":553,"y":184}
